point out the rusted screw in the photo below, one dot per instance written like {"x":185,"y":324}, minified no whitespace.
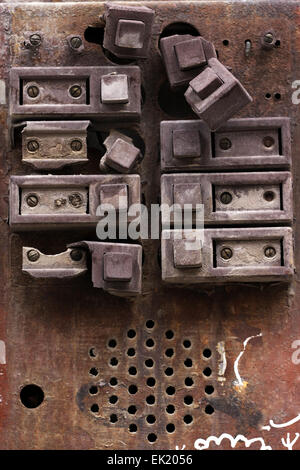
{"x":226,"y":253}
{"x":33,"y":145}
{"x":225,"y":143}
{"x":268,"y":141}
{"x":75,"y":91}
{"x":60,"y":202}
{"x":76,"y":200}
{"x":268,"y":38}
{"x":32,"y":91}
{"x":35,"y":40}
{"x":76,"y":145}
{"x":32,"y":200}
{"x":76,"y":255}
{"x":76,"y":42}
{"x":226,"y":198}
{"x":33,"y":255}
{"x":270,"y":252}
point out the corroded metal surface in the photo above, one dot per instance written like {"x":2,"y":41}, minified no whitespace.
{"x":65,"y":336}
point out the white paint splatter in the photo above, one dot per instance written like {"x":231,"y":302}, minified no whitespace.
{"x":222,"y":362}
{"x":288,"y":444}
{"x":201,"y":444}
{"x":281,"y":425}
{"x":239,"y":382}
{"x":2,"y":352}
{"x":180,"y":448}
{"x":2,"y":92}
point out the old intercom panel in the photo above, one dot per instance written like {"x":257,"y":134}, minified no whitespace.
{"x":140,"y":343}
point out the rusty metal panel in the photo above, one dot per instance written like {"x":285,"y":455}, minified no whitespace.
{"x":82,"y":369}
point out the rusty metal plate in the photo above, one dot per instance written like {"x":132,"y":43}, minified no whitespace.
{"x":173,"y":366}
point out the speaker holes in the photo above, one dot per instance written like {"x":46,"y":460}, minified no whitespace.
{"x":207,"y":371}
{"x":152,"y":437}
{"x":131,"y":352}
{"x":170,"y":427}
{"x":150,"y":399}
{"x":131,"y":334}
{"x":132,"y":389}
{"x":187,"y":344}
{"x":150,"y":324}
{"x":149,"y":343}
{"x":150,"y":419}
{"x":113,"y":399}
{"x":93,"y":352}
{"x":131,"y":410}
{"x":93,"y":390}
{"x":113,"y":381}
{"x":207,"y":353}
{"x":95,"y":408}
{"x":170,"y":390}
{"x":209,"y":389}
{"x":132,"y":370}
{"x":189,"y":382}
{"x":169,"y":371}
{"x":170,"y":409}
{"x":113,"y":418}
{"x":114,"y":361}
{"x":169,"y":352}
{"x":94,"y":372}
{"x":149,"y":363}
{"x":209,"y":410}
{"x":188,"y":400}
{"x":132,"y":428}
{"x":188,"y":419}
{"x":151,"y":382}
{"x":169,"y":334}
{"x":112,"y":343}
{"x":188,"y":362}
{"x":277,"y":96}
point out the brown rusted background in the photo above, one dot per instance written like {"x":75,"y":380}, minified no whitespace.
{"x":49,"y":326}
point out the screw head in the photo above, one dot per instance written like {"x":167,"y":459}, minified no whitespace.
{"x":33,"y":255}
{"x":270,"y":252}
{"x":76,"y":145}
{"x":60,"y":202}
{"x":75,"y":91}
{"x":33,"y":91}
{"x":76,"y":200}
{"x":32,"y":200}
{"x":268,"y":38}
{"x":35,"y":40}
{"x":225,"y":143}
{"x":268,"y":141}
{"x":226,"y":253}
{"x":76,"y":42}
{"x":76,"y":255}
{"x":226,"y":198}
{"x":33,"y":145}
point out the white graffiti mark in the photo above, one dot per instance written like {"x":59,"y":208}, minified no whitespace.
{"x":288,"y":444}
{"x":239,"y":382}
{"x":281,"y":425}
{"x":180,"y":448}
{"x":201,"y":444}
{"x":296,"y":354}
{"x":222,"y":362}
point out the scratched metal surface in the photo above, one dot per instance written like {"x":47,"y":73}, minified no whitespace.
{"x":49,"y":326}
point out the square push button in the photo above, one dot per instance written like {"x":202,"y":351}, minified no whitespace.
{"x":122,"y":155}
{"x":186,"y":144}
{"x":114,"y":194}
{"x":187,"y":253}
{"x":117,"y":267}
{"x":130,"y":34}
{"x":206,"y":83}
{"x":114,"y":89}
{"x":187,"y":193}
{"x":190,"y":54}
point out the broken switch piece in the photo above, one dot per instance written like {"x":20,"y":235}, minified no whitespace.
{"x":122,"y":155}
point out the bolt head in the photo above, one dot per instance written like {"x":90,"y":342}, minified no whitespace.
{"x":33,"y":145}
{"x":76,"y":200}
{"x":270,"y":252}
{"x":226,"y":198}
{"x":76,"y":145}
{"x":32,"y":200}
{"x":268,"y":37}
{"x":76,"y":255}
{"x":225,"y":143}
{"x":35,"y":40}
{"x":32,"y":91}
{"x":33,"y":255}
{"x":75,"y":91}
{"x":226,"y":253}
{"x":76,"y":42}
{"x":268,"y":141}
